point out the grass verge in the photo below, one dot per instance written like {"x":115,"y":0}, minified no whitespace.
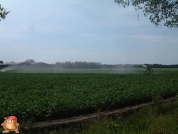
{"x":158,"y":119}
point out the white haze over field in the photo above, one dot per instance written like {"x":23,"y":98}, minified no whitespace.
{"x":83,"y":30}
{"x":144,"y":65}
{"x":7,"y":68}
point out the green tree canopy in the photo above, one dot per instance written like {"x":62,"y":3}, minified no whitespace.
{"x":3,"y":13}
{"x":165,"y":11}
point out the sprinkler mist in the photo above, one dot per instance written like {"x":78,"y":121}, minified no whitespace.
{"x":149,"y":70}
{"x":7,"y":69}
{"x":144,"y":65}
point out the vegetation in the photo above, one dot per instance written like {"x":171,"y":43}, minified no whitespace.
{"x":157,"y":10}
{"x":88,"y":65}
{"x":161,"y":66}
{"x":78,"y":64}
{"x":138,"y":66}
{"x":161,"y":119}
{"x":3,"y":13}
{"x":28,"y":64}
{"x":31,"y":96}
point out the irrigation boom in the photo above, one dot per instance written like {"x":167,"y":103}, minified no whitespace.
{"x":149,"y":70}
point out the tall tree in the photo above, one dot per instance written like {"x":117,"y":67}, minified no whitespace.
{"x":3,"y":13}
{"x":158,"y":10}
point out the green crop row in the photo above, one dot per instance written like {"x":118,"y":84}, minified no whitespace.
{"x":31,"y":96}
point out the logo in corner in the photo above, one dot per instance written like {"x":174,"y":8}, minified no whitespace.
{"x":10,"y":124}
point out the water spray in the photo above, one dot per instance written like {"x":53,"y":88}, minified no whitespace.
{"x":144,"y":65}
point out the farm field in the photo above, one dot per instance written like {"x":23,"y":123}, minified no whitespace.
{"x":30,"y":96}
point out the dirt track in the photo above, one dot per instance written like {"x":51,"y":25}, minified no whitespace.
{"x":91,"y":116}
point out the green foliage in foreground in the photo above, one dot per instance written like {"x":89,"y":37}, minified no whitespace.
{"x":162,"y":119}
{"x":31,"y":96}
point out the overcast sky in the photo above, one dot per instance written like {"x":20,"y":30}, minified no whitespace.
{"x":83,"y":30}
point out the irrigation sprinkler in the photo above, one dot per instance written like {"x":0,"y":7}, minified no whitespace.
{"x":148,"y":71}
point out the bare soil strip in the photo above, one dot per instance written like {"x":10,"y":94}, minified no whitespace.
{"x":82,"y":118}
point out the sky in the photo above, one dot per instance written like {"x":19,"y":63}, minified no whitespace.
{"x":83,"y":30}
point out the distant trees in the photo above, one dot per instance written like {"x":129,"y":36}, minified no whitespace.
{"x":78,"y":64}
{"x":97,"y":65}
{"x":86,"y":65}
{"x":29,"y":60}
{"x":121,"y":66}
{"x":138,"y":66}
{"x":161,"y":66}
{"x":3,"y":13}
{"x":158,"y":10}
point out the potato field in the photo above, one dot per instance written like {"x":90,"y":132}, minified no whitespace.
{"x":30,"y":96}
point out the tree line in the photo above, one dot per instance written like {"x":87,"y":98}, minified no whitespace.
{"x":139,"y":66}
{"x":78,"y":64}
{"x":161,"y":66}
{"x":96,"y":65}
